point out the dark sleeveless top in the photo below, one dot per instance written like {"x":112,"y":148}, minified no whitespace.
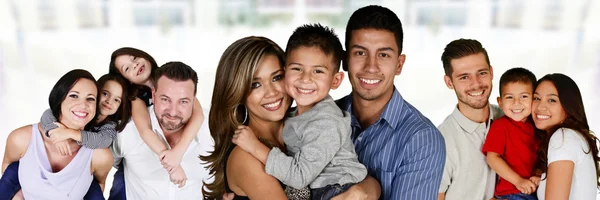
{"x":290,"y":192}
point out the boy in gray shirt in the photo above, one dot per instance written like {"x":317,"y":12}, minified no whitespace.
{"x":317,"y":133}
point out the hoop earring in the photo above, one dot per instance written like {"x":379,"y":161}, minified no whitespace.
{"x":238,"y":110}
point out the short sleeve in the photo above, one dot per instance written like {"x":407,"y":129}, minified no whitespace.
{"x":496,"y":138}
{"x":566,"y":144}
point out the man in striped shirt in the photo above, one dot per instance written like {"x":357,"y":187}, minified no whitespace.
{"x":400,"y":147}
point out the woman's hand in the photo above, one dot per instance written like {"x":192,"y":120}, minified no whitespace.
{"x":535,"y":180}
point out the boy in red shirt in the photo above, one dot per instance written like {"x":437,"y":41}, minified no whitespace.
{"x":511,"y":145}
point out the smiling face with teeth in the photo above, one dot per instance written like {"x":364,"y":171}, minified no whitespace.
{"x":516,"y":100}
{"x":267,"y":100}
{"x":471,"y":80}
{"x":79,"y":106}
{"x":309,"y":75}
{"x":547,"y":108}
{"x":374,"y":60}
{"x":135,"y":69}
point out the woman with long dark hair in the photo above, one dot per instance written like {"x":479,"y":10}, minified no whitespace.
{"x":568,"y":154}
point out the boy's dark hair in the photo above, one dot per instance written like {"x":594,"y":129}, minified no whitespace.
{"x":375,"y":17}
{"x":317,"y":35}
{"x":177,"y":71}
{"x":123,"y":114}
{"x":63,"y":86}
{"x":461,"y":48}
{"x":517,"y":75}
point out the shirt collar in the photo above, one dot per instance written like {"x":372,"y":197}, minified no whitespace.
{"x":468,"y":125}
{"x":154,"y":121}
{"x":390,"y":112}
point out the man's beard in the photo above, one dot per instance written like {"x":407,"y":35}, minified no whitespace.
{"x":171,"y":126}
{"x":474,"y":104}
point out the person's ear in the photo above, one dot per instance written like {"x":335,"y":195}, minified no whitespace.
{"x":448,"y":82}
{"x":401,"y":59}
{"x":337,"y":80}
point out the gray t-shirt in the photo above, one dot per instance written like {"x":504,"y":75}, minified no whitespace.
{"x":466,"y":172}
{"x":321,"y":148}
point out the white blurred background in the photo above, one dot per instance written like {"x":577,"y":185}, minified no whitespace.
{"x":40,"y":40}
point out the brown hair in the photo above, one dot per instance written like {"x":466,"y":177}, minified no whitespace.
{"x":572,"y":103}
{"x":461,"y":48}
{"x":232,"y":85}
{"x":134,"y":89}
{"x":123,"y":114}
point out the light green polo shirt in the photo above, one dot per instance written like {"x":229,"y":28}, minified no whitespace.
{"x":466,"y":172}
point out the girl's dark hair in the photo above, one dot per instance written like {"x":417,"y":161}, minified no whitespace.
{"x":134,"y":89}
{"x":123,"y":114}
{"x":572,"y":103}
{"x":63,"y":86}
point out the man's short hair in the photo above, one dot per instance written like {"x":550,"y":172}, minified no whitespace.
{"x":317,"y":35}
{"x":517,"y":75}
{"x":461,"y":48}
{"x":375,"y":17}
{"x":177,"y":71}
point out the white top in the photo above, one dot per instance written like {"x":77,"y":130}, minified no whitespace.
{"x":38,"y":181}
{"x":567,"y":144}
{"x":467,"y":175}
{"x":145,"y":177}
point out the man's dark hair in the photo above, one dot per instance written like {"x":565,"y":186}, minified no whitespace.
{"x":177,"y":71}
{"x":317,"y":35}
{"x":517,"y":75}
{"x":461,"y":48}
{"x":375,"y":17}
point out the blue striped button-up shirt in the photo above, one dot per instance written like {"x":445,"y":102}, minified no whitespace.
{"x":403,"y":150}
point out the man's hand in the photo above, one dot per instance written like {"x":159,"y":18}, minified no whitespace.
{"x":178,"y":177}
{"x":526,"y":186}
{"x":355,"y":192}
{"x":245,"y":139}
{"x":170,"y":159}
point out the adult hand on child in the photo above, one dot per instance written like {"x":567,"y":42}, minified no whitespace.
{"x":526,"y":186}
{"x":535,"y":180}
{"x":170,"y":159}
{"x":244,"y":138}
{"x":228,"y":196}
{"x":63,"y":148}
{"x":353,"y":193}
{"x":178,"y":177}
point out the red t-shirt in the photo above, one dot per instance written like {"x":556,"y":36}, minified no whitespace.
{"x":516,"y":143}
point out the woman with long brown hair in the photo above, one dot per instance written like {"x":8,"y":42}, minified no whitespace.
{"x":249,"y":91}
{"x":568,"y":154}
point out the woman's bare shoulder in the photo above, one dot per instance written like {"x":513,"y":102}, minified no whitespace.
{"x":246,"y":176}
{"x":20,"y":136}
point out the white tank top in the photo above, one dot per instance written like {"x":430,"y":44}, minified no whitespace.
{"x":39,"y":182}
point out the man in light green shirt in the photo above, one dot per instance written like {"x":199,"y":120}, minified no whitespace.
{"x":469,"y":74}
